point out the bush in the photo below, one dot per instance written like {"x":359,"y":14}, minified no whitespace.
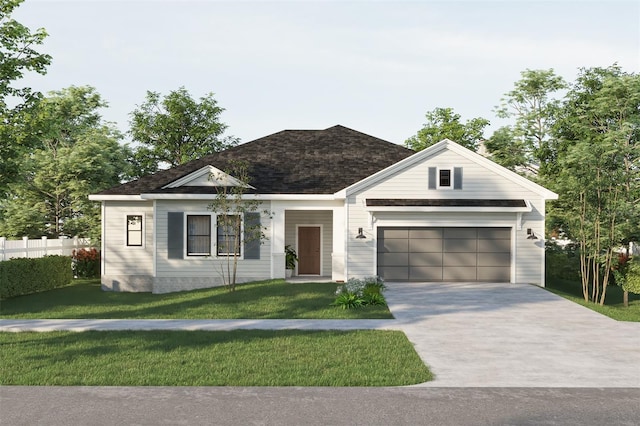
{"x":26,"y":276}
{"x":86,"y":263}
{"x":360,"y":292}
{"x":632,"y":282}
{"x":562,"y":262}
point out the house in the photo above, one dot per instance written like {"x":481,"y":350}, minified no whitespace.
{"x":352,"y":205}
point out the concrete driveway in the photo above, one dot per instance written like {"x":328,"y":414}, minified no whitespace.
{"x":477,"y":334}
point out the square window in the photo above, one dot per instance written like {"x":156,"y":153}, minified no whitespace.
{"x":134,"y":230}
{"x":445,"y":178}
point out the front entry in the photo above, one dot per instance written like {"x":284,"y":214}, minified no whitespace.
{"x":309,"y":250}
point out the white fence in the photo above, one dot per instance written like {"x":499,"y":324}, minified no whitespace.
{"x":10,"y":249}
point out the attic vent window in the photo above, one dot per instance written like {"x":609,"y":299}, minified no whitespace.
{"x":445,"y":178}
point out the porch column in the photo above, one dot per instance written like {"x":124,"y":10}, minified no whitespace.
{"x":277,"y":243}
{"x":338,"y":250}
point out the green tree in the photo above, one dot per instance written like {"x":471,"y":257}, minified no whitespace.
{"x":444,"y":123}
{"x":232,"y":207}
{"x":534,"y":110}
{"x":17,"y":56}
{"x":508,"y":151}
{"x":176,"y":129}
{"x":598,"y":132}
{"x":76,"y":155}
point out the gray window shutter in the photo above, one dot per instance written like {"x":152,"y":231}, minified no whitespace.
{"x":432,"y":177}
{"x":175,"y":237}
{"x":252,"y":232}
{"x":457,"y":178}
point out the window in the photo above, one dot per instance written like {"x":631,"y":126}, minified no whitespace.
{"x":228,"y":235}
{"x":445,"y":178}
{"x":134,"y":230}
{"x":199,"y":235}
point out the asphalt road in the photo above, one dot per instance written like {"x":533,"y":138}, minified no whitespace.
{"x":57,"y":406}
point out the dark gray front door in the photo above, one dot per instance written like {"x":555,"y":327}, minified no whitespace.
{"x":444,"y":254}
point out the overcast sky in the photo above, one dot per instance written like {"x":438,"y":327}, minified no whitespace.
{"x":376,"y":67}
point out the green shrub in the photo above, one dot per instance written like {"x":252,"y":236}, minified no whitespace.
{"x":632,"y":282}
{"x":562,"y":262}
{"x":360,"y":292}
{"x":26,"y":276}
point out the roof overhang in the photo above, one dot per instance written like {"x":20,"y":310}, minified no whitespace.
{"x":263,"y":197}
{"x":107,"y":197}
{"x":446,"y":205}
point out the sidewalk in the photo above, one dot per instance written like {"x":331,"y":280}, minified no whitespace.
{"x":18,"y":325}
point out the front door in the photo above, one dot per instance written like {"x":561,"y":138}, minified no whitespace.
{"x":309,"y":250}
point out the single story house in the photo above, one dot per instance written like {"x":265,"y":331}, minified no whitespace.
{"x":351,"y":205}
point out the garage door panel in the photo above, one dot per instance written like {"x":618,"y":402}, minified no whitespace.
{"x":393,"y":233}
{"x":494,"y":259}
{"x":393,"y":245}
{"x":494,"y":233}
{"x":425,"y":273}
{"x":503,"y":246}
{"x":393,"y":259}
{"x":460,"y":259}
{"x":460,"y":233}
{"x":425,"y":233}
{"x":425,"y":245}
{"x":497,"y":274}
{"x":425,"y":259}
{"x":460,"y":245}
{"x":394,"y":273}
{"x":459,"y":273}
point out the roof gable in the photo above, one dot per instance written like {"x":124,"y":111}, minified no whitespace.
{"x":440,"y":147}
{"x":206,"y":176}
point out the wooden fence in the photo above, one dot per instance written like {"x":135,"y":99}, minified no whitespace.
{"x":10,"y":249}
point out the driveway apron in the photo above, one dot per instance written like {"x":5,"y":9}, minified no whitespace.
{"x":494,"y":334}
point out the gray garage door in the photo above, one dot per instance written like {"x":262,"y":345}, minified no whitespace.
{"x":444,"y":254}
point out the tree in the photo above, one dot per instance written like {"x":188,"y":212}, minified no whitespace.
{"x":76,"y":155}
{"x":443,"y":123}
{"x":235,"y":226}
{"x":599,"y":180}
{"x":508,"y":151}
{"x":17,"y":56}
{"x":176,"y":129}
{"x":534,"y":110}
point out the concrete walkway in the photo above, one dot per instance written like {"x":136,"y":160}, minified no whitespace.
{"x":470,"y":334}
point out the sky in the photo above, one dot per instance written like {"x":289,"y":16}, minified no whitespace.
{"x":374,"y":66}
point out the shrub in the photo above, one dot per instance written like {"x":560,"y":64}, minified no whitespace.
{"x":86,"y":263}
{"x":360,"y":292}
{"x":26,"y":276}
{"x":632,"y":282}
{"x":562,"y":262}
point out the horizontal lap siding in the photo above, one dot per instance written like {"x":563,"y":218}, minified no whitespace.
{"x":201,"y":267}
{"x":478,"y":183}
{"x":120,"y":259}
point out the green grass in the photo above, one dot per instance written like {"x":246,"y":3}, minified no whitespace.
{"x":273,"y":299}
{"x":206,"y":358}
{"x":613,"y":308}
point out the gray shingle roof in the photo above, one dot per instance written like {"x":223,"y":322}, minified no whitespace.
{"x":287,"y":162}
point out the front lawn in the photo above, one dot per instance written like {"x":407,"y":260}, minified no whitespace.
{"x":205,"y":358}
{"x":613,"y":307}
{"x":275,"y":299}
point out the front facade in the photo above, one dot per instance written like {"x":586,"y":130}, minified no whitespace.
{"x":350,"y":205}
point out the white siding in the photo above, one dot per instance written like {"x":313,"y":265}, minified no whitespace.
{"x":478,"y":183}
{"x":119,"y":260}
{"x":196,"y":272}
{"x":306,"y":217}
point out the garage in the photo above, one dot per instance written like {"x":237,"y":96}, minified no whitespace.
{"x":444,"y":254}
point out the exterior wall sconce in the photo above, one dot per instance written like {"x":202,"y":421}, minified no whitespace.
{"x":531,"y":235}
{"x":360,"y":235}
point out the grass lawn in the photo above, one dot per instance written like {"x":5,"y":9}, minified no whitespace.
{"x":205,"y":358}
{"x":613,"y":307}
{"x":260,"y":300}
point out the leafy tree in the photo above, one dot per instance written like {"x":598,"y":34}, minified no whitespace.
{"x":231,"y":206}
{"x":508,"y":151}
{"x":176,"y":129}
{"x":599,"y":180}
{"x":76,"y":155}
{"x":17,"y":56}
{"x":443,"y":123}
{"x":534,"y":110}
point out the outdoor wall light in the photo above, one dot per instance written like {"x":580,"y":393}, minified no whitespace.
{"x":360,"y":235}
{"x":531,"y":235}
